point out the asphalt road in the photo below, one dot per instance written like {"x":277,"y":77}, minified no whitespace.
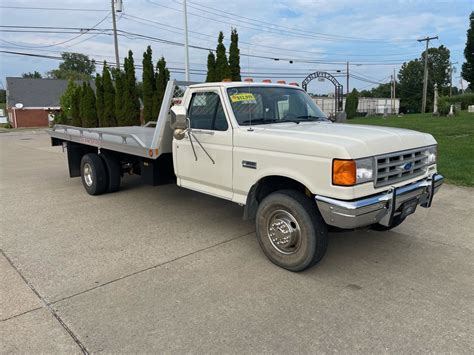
{"x":163,"y":269}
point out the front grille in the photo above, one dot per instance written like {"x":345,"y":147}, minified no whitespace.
{"x":400,"y":166}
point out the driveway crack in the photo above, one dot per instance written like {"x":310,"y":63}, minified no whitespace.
{"x":48,"y":306}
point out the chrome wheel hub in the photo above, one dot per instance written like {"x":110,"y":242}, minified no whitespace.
{"x":88,"y":174}
{"x":284,"y":232}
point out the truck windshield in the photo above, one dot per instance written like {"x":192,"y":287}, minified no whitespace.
{"x":255,"y":105}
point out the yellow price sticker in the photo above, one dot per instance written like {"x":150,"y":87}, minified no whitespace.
{"x":246,"y":97}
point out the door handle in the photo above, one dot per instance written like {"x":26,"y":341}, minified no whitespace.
{"x":200,"y":131}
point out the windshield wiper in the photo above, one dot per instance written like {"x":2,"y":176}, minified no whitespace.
{"x":257,"y":121}
{"x":311,"y":118}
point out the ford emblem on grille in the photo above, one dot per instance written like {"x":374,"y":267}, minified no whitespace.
{"x":407,"y":166}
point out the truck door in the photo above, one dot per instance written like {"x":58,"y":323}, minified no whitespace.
{"x":209,"y":124}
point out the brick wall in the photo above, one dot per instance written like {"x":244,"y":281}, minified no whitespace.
{"x":30,"y":118}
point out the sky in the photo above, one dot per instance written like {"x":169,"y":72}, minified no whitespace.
{"x":279,"y":39}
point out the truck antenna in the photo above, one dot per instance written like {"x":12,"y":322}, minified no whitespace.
{"x":248,"y":71}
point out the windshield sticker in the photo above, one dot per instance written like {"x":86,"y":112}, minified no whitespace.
{"x":245,"y":98}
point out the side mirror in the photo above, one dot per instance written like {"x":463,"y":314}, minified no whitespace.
{"x":178,"y":118}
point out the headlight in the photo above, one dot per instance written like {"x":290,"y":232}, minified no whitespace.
{"x":352,"y":172}
{"x":432,"y":154}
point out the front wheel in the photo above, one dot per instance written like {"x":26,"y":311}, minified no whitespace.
{"x":290,"y":230}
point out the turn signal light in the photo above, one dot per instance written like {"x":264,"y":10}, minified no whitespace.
{"x":344,"y":172}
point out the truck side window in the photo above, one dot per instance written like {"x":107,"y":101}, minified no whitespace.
{"x":206,"y":112}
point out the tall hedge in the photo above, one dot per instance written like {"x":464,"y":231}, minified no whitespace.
{"x":131,"y":103}
{"x":222,"y":65}
{"x":148,"y":80}
{"x":75,"y":111}
{"x":234,"y":56}
{"x":99,"y":99}
{"x":88,"y":107}
{"x":108,"y":115}
{"x":162,"y":77}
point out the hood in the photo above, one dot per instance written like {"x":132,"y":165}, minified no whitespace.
{"x":336,"y":140}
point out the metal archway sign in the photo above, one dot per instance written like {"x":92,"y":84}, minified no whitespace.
{"x":338,"y":89}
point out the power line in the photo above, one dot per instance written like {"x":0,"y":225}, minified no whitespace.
{"x":51,"y":8}
{"x":40,"y":29}
{"x":167,"y":27}
{"x":322,"y":37}
{"x":273,"y":25}
{"x":62,"y":42}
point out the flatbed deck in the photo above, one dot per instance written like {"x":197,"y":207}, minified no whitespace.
{"x":149,"y":141}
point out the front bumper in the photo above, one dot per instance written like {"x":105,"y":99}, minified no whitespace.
{"x":380,"y":208}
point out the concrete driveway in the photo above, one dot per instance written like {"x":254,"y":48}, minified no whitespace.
{"x":163,"y":269}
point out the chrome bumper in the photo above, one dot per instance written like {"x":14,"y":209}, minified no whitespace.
{"x":380,"y":208}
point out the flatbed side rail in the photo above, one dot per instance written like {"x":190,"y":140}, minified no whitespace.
{"x":125,"y":136}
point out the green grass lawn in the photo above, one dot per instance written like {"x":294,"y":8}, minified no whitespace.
{"x":455,"y":138}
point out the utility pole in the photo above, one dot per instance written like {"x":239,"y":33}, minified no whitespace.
{"x":394,"y":92}
{"x":425,"y":76}
{"x":347,"y":78}
{"x":114,"y":25}
{"x":451,"y":69}
{"x":186,"y":50}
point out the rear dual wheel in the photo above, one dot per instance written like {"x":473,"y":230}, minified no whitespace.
{"x":100,"y":174}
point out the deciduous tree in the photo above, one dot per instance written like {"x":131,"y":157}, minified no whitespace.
{"x":75,"y":66}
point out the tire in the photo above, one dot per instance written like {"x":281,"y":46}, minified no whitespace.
{"x":292,"y":211}
{"x":93,"y":174}
{"x":114,"y":171}
{"x":395,"y":223}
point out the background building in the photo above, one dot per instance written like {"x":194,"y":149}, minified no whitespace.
{"x":366,"y":106}
{"x":33,"y":102}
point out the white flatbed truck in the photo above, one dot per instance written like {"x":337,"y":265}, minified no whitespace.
{"x":269,"y":148}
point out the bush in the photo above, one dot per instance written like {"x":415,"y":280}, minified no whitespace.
{"x":444,"y":105}
{"x":464,"y":99}
{"x":352,"y":101}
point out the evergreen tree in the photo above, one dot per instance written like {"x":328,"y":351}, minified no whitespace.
{"x":82,"y":102}
{"x":148,"y":80}
{"x":131,"y":102}
{"x":162,"y":77}
{"x":108,"y":115}
{"x":75,"y":111}
{"x":211,"y":67}
{"x":222,"y":66}
{"x":119,"y":94}
{"x":88,"y":104}
{"x":468,"y":67}
{"x":99,"y":94}
{"x":66,"y":103}
{"x":234,"y":56}
{"x":352,"y":101}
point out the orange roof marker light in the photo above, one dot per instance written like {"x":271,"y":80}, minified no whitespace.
{"x":281,"y":82}
{"x":266,"y":81}
{"x":294,"y":84}
{"x":226,"y":80}
{"x":248,"y":80}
